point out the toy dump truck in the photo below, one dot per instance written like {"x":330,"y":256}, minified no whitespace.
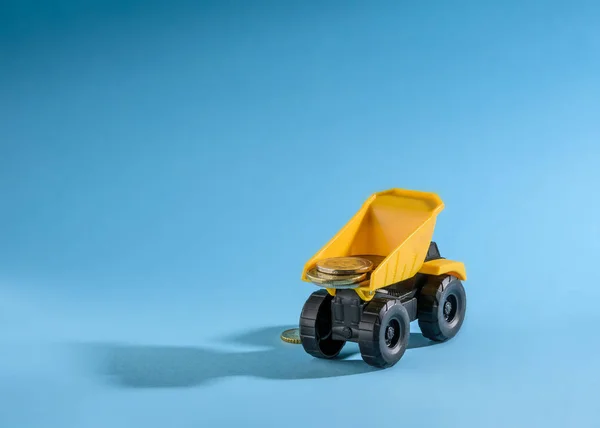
{"x":378,"y":274}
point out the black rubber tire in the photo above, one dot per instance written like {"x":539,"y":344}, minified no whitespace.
{"x":432,"y":307}
{"x":377,"y":316}
{"x":315,"y":327}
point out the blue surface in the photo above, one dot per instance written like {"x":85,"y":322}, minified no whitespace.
{"x":167,"y":168}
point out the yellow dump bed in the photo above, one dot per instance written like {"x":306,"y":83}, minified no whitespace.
{"x":397,"y":224}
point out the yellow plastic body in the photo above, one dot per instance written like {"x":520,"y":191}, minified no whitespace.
{"x":397,"y":224}
{"x":444,"y":266}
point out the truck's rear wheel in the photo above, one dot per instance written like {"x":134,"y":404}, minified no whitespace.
{"x":442,"y":303}
{"x":383,"y":332}
{"x":315,"y":327}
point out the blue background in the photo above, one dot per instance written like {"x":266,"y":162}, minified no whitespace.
{"x":166,"y":168}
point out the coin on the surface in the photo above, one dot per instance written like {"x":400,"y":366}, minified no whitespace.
{"x":291,"y":336}
{"x":334,"y":281}
{"x":344,"y":265}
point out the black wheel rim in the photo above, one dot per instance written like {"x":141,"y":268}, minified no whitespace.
{"x":450,"y":308}
{"x":392,"y":333}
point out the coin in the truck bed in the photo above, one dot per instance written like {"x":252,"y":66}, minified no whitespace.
{"x":291,"y":336}
{"x":334,"y":280}
{"x":344,"y":265}
{"x":376,"y":260}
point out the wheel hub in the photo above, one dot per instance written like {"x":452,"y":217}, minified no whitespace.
{"x":450,"y":308}
{"x":447,"y":308}
{"x":392,"y":333}
{"x":389,"y":333}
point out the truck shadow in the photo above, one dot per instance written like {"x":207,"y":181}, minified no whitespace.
{"x":150,"y":366}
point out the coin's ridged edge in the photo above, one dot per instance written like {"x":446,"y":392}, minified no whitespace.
{"x":315,"y":277}
{"x":334,"y":271}
{"x":289,"y":339}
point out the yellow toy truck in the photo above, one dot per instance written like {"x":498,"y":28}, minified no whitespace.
{"x":379,"y":273}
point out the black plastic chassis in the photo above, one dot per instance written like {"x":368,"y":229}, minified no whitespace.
{"x":347,"y":307}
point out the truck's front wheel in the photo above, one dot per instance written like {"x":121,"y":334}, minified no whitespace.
{"x":442,"y":303}
{"x":383,"y":332}
{"x":315,"y":327}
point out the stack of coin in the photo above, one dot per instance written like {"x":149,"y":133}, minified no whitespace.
{"x":341,"y":272}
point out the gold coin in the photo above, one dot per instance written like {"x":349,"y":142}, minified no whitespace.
{"x":376,"y":260}
{"x":344,"y":265}
{"x":291,"y":336}
{"x":334,"y":280}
